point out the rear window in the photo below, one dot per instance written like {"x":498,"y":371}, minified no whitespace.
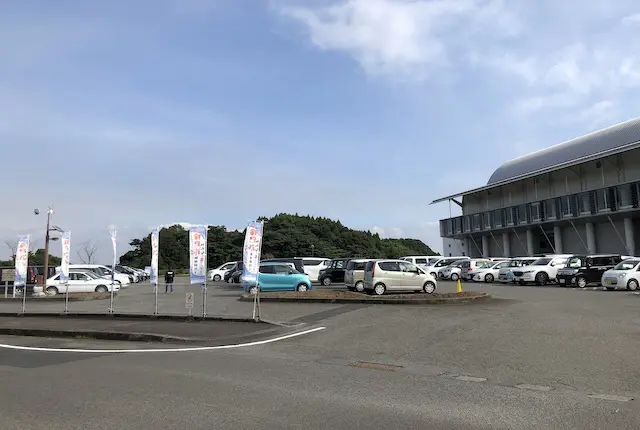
{"x":421,"y":261}
{"x":312,"y":262}
{"x":389,"y":266}
{"x":356,"y":265}
{"x":369,"y":266}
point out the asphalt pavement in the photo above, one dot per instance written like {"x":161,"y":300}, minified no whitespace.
{"x":530,"y":358}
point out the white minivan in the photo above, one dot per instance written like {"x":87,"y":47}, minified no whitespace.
{"x":421,"y":260}
{"x":313,"y":266}
{"x":102,"y":271}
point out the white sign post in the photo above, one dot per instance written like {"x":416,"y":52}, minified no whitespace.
{"x":188,"y":302}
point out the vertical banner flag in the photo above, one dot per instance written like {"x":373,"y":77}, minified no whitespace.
{"x":155,"y":243}
{"x":22,"y":261}
{"x":65,"y":240}
{"x":251,"y":253}
{"x":113,"y":242}
{"x":198,"y":254}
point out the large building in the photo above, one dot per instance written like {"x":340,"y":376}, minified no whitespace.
{"x":579,"y":196}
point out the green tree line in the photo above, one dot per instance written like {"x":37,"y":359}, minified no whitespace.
{"x":35,"y":259}
{"x":285,"y":235}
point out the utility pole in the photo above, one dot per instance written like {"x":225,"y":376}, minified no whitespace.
{"x":45,"y":275}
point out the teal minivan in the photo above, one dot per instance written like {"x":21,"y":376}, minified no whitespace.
{"x":278,"y":276}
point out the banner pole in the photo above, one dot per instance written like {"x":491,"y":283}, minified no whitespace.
{"x":113,"y":271}
{"x":204,"y":289}
{"x":66,"y":298}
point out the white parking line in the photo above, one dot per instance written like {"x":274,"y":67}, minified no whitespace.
{"x":198,"y":348}
{"x":610,"y":397}
{"x":470,"y":378}
{"x":534,"y":387}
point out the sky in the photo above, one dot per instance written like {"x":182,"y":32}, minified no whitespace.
{"x":217,"y":112}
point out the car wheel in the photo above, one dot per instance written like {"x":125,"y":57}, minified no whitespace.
{"x":632,"y":285}
{"x":52,"y":291}
{"x":326,"y":281}
{"x":488,"y":278}
{"x":359,"y":286}
{"x":542,"y":278}
{"x":429,"y":287}
{"x":216,"y":278}
{"x":454,"y":277}
{"x":379,"y":289}
{"x":253,"y":290}
{"x":101,"y":289}
{"x":302,"y":287}
{"x":581,"y":281}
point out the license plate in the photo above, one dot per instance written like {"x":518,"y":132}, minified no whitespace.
{"x":607,"y":281}
{"x":562,"y":281}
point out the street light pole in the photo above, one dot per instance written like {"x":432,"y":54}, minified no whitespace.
{"x":47,"y":237}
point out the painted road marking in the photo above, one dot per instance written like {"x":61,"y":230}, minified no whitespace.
{"x":470,"y":378}
{"x":197,"y":348}
{"x":610,"y":397}
{"x":534,"y":387}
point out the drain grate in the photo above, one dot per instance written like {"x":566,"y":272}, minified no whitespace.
{"x":377,"y":366}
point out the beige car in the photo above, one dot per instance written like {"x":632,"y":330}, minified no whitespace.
{"x":381,"y":276}
{"x":354,"y":275}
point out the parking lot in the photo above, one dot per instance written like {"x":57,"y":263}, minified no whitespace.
{"x":543,"y":355}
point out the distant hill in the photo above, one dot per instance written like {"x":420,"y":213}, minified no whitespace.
{"x":285,"y":235}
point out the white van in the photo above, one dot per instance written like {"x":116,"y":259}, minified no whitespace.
{"x":313,"y":266}
{"x":421,"y":260}
{"x":103,"y":272}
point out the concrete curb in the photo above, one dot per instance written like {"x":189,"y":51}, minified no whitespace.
{"x":372,"y":300}
{"x":101,"y":335}
{"x":56,"y":298}
{"x":126,"y":316}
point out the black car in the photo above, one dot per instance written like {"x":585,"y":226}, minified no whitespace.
{"x":297,"y":262}
{"x":233,"y":275}
{"x":582,"y":270}
{"x":334,"y":273}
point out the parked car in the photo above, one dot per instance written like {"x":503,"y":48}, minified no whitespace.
{"x":421,"y":260}
{"x":624,"y":274}
{"x":453,"y":271}
{"x":540,"y":271}
{"x":334,"y":273}
{"x":80,"y":282}
{"x":433,"y":268}
{"x":582,"y":270}
{"x":381,"y":276}
{"x":234,"y":274}
{"x":470,"y":265}
{"x":487,"y":272}
{"x":133,"y":276}
{"x":314,"y":265}
{"x":297,"y":262}
{"x":278,"y":276}
{"x":218,"y":273}
{"x":102,"y":271}
{"x":354,"y":275}
{"x":506,"y":273}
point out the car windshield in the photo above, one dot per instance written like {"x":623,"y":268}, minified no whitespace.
{"x":575,"y":262}
{"x":626,"y":265}
{"x":515,"y":263}
{"x":487,"y":264}
{"x":90,"y":274}
{"x":541,"y":262}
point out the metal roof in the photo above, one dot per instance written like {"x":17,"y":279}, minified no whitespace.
{"x":609,"y":141}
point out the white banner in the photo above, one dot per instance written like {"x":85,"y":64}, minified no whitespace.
{"x":155,"y":247}
{"x":198,"y":254}
{"x":252,"y":250}
{"x":113,"y":242}
{"x":65,"y":240}
{"x":22,"y":261}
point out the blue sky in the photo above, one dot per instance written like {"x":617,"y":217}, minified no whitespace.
{"x":154,"y":112}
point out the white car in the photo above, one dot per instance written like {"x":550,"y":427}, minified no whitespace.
{"x":453,"y":271}
{"x":487,"y":272}
{"x":541,"y":271}
{"x":421,"y":260}
{"x":80,"y":282}
{"x":442,"y":262}
{"x":218,"y":274}
{"x":506,"y":273}
{"x":626,"y":274}
{"x":101,"y":271}
{"x":313,"y":266}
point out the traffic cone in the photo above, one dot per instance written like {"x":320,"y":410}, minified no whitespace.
{"x":459,"y":289}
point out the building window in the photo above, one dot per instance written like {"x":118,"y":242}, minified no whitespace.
{"x":603,"y":203}
{"x":522,"y":214}
{"x":565,"y":206}
{"x":509,"y":212}
{"x":550,"y":212}
{"x":584,"y":203}
{"x":449,"y":226}
{"x":458,"y":225}
{"x":535,"y":212}
{"x":476,"y":222}
{"x":498,"y":218}
{"x":624,"y":196}
{"x":487,"y":220}
{"x":467,"y":223}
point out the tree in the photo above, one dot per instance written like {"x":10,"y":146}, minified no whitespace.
{"x":37,"y":258}
{"x":285,"y":235}
{"x":13,"y":247}
{"x":87,"y":252}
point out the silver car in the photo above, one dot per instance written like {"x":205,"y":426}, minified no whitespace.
{"x":625,"y":274}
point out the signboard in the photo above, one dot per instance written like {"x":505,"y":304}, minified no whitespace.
{"x":198,"y":254}
{"x":252,"y":249}
{"x":188,"y":303}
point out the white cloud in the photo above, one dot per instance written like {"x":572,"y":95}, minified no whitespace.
{"x":632,"y":19}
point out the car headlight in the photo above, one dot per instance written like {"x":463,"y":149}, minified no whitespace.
{"x":621,"y":276}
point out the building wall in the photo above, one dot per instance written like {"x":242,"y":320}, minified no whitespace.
{"x":454,"y":247}
{"x":613,"y":170}
{"x":608,"y":238}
